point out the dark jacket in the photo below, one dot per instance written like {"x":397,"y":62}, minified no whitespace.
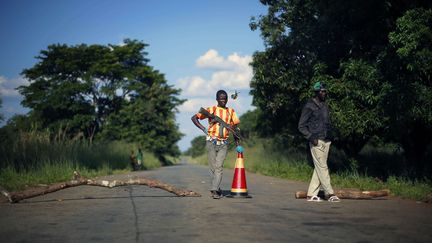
{"x":314,"y":121}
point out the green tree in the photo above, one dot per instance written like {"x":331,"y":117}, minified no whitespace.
{"x":357,"y":104}
{"x":148,"y":117}
{"x":20,"y":123}
{"x":197,"y":146}
{"x":249,"y":123}
{"x":306,"y":41}
{"x":346,"y":44}
{"x":408,"y":65}
{"x":98,"y":91}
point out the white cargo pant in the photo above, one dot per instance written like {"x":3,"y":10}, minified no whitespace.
{"x":320,"y":176}
{"x":216,"y":157}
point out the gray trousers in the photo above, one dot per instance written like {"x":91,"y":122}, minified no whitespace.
{"x":320,"y":176}
{"x":216,"y":157}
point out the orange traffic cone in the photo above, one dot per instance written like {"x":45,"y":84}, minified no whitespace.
{"x":239,"y":188}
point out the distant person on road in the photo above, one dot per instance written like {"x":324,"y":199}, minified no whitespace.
{"x":133,"y":160}
{"x":217,"y":139}
{"x":139,"y":159}
{"x":314,"y":124}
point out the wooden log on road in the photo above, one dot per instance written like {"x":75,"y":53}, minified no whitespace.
{"x":14,"y":197}
{"x":351,"y":194}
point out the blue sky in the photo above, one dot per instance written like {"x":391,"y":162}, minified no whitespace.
{"x":200,"y":46}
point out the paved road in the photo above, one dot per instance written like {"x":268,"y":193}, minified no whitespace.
{"x":142,"y":214}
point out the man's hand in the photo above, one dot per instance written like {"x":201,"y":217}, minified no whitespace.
{"x":314,"y":142}
{"x":313,"y":139}
{"x":205,"y":131}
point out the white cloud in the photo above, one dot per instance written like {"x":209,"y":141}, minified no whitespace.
{"x":229,"y":79}
{"x":7,"y":86}
{"x":212,"y":60}
{"x":231,"y":73}
{"x":195,"y":86}
{"x":192,"y":105}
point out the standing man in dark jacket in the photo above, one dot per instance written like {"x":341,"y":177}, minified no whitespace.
{"x":314,"y":124}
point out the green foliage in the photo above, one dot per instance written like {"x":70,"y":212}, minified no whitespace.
{"x":108,"y":92}
{"x":268,"y":161}
{"x":264,"y":159}
{"x":249,"y":123}
{"x":14,"y":180}
{"x":412,"y":41}
{"x":31,"y":150}
{"x":407,"y":64}
{"x":198,"y":145}
{"x":419,"y":190}
{"x":375,"y":57}
{"x":32,"y":158}
{"x":148,"y":119}
{"x":357,"y":105}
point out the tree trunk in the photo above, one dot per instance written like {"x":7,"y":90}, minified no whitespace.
{"x":14,"y":197}
{"x":351,"y":194}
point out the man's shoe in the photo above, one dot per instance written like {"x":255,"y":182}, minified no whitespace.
{"x":215,"y":195}
{"x":334,"y":198}
{"x":219,"y":192}
{"x":314,"y":199}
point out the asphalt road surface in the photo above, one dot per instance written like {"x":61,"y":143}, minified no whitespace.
{"x":143,"y":214}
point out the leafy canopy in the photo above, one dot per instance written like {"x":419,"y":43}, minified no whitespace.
{"x":103,"y":92}
{"x":374,"y":55}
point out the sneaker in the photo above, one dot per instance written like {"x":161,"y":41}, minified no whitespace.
{"x":215,"y":195}
{"x":219,"y":192}
{"x":314,"y":199}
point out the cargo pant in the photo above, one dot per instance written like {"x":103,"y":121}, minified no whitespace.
{"x":320,"y":176}
{"x":216,"y":157}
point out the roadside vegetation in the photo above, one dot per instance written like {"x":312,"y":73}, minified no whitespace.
{"x":378,"y":75}
{"x":30,"y":159}
{"x":90,"y":103}
{"x":89,"y":106}
{"x":261,"y":158}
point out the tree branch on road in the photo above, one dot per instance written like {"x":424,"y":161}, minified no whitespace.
{"x":77,"y":180}
{"x":351,"y":194}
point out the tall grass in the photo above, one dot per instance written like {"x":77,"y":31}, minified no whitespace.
{"x":295,"y":166}
{"x":28,"y":159}
{"x":35,"y":149}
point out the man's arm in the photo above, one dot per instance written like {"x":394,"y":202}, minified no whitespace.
{"x":303,"y":125}
{"x":195,"y":121}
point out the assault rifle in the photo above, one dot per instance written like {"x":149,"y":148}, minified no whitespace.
{"x":234,"y":130}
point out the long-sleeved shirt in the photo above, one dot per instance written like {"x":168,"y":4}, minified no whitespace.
{"x":314,"y":121}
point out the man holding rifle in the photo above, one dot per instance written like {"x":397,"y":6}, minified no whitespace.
{"x":222,"y":120}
